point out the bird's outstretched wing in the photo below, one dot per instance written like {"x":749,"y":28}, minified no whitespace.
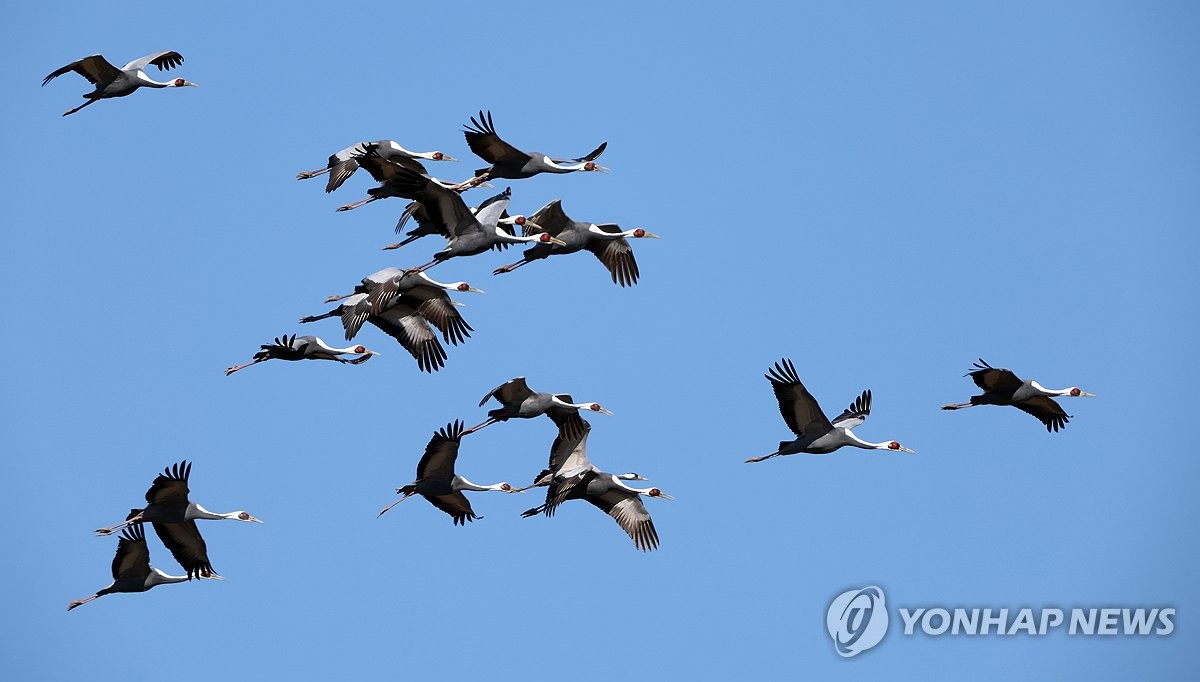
{"x":163,"y":60}
{"x":994,"y":379}
{"x":617,"y":256}
{"x":132,"y":560}
{"x":186,"y":544}
{"x":857,"y":413}
{"x":171,"y":486}
{"x":355,"y":311}
{"x":383,"y":170}
{"x":799,"y":409}
{"x":402,"y":322}
{"x":95,"y":68}
{"x":1047,"y":410}
{"x":441,"y":452}
{"x":487,"y":145}
{"x":551,"y":218}
{"x":629,"y":512}
{"x":456,"y":505}
{"x":434,"y":305}
{"x":510,"y":392}
{"x":567,"y":419}
{"x":569,"y":450}
{"x":591,"y":156}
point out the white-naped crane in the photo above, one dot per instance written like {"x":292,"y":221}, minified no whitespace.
{"x":341,"y":165}
{"x":174,"y":517}
{"x":304,"y":348}
{"x":519,"y":401}
{"x":815,"y":433}
{"x":1003,"y":387}
{"x":509,"y":162}
{"x":437,"y":482}
{"x":113,"y":82}
{"x":430,"y":298}
{"x":426,"y":227}
{"x":571,"y":476}
{"x":402,"y":320}
{"x":607,"y":241}
{"x":131,"y":569}
{"x":384,"y":171}
{"x":468,"y":233}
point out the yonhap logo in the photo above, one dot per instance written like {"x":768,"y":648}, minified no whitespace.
{"x":857,"y":620}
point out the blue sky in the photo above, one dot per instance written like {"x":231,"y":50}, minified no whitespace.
{"x":881,"y":193}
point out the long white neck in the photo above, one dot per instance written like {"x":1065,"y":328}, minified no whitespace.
{"x":463,"y":484}
{"x":157,"y":577}
{"x":151,"y":83}
{"x":595,"y":229}
{"x":866,"y":445}
{"x":512,"y":238}
{"x":1049,"y":391}
{"x":564,"y":166}
{"x":199,"y":512}
{"x":447,"y":287}
{"x":331,"y":349}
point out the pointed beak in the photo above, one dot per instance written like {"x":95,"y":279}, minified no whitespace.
{"x":448,"y":158}
{"x":556,"y":240}
{"x":607,"y":411}
{"x":664,"y":496}
{"x":532,"y":225}
{"x":650,"y":235}
{"x":194,"y":85}
{"x":478,"y":291}
{"x":907,"y":450}
{"x":254,"y":520}
{"x":600,"y":169}
{"x":1085,"y":394}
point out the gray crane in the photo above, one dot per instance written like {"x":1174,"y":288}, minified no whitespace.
{"x":402,"y":320}
{"x":468,"y":233}
{"x":304,"y":348}
{"x":426,"y":227}
{"x":1003,"y":387}
{"x":131,"y":569}
{"x":606,"y":241}
{"x":113,"y":82}
{"x":509,"y":162}
{"x":384,"y":171}
{"x":519,"y":401}
{"x":437,"y":482}
{"x":815,"y":433}
{"x":568,"y":452}
{"x":341,"y":165}
{"x":174,"y":518}
{"x":429,"y":296}
{"x":571,"y":476}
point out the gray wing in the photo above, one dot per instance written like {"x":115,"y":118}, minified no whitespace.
{"x":163,"y":60}
{"x":441,"y":452}
{"x":402,"y":322}
{"x":550,"y":218}
{"x":799,"y":408}
{"x":617,"y":256}
{"x":132,"y":561}
{"x":355,"y":311}
{"x":856,"y":413}
{"x":436,"y":307}
{"x":509,"y":392}
{"x":94,"y":67}
{"x":629,"y":512}
{"x":570,"y":452}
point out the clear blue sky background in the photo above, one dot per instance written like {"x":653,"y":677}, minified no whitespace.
{"x":881,"y":192}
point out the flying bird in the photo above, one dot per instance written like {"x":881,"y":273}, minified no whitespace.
{"x":341,"y":165}
{"x":304,"y":348}
{"x":113,"y":82}
{"x":815,"y":433}
{"x":384,"y":171}
{"x":437,"y":482}
{"x":402,"y":320}
{"x":509,"y":162}
{"x":174,"y":517}
{"x":430,"y":298}
{"x":606,"y":241}
{"x":468,"y":233}
{"x":1003,"y":387}
{"x":571,"y":476}
{"x":426,"y":227}
{"x":517,"y":400}
{"x":131,"y":568}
